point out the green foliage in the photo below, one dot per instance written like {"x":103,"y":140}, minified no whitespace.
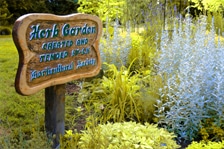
{"x":213,"y":9}
{"x":136,"y":52}
{"x":36,"y":140}
{"x":211,"y":5}
{"x":75,"y":113}
{"x":127,"y":135}
{"x":70,"y":140}
{"x":143,"y":51}
{"x":18,"y":113}
{"x":4,"y":30}
{"x":122,"y":47}
{"x":206,"y":145}
{"x":118,"y":95}
{"x":146,"y":13}
{"x":136,"y":11}
{"x":217,"y":19}
{"x":121,"y":95}
{"x":105,"y":9}
{"x":120,"y":136}
{"x":211,"y":132}
{"x":18,"y":8}
{"x":124,"y":101}
{"x":4,"y":14}
{"x":59,"y":7}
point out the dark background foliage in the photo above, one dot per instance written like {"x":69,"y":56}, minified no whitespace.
{"x":10,"y":10}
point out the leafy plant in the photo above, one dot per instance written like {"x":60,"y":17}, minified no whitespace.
{"x":122,"y":47}
{"x":70,"y":140}
{"x":5,"y":30}
{"x":124,"y":102}
{"x":211,"y":5}
{"x":117,"y":94}
{"x":19,"y":114}
{"x":191,"y":66}
{"x":206,"y":145}
{"x":218,"y":19}
{"x":114,"y":46}
{"x":211,"y":132}
{"x":127,"y":135}
{"x":37,"y":139}
{"x":112,"y":9}
{"x":121,"y":95}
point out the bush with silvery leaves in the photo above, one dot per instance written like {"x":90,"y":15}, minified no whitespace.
{"x":192,"y":67}
{"x":114,"y":49}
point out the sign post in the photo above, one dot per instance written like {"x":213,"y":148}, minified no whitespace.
{"x":54,"y":50}
{"x":55,"y":112}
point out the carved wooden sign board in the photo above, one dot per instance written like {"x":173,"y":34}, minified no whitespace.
{"x":55,"y":49}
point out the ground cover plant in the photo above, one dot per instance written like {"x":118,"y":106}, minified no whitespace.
{"x":123,"y":135}
{"x":206,"y":145}
{"x":119,"y":96}
{"x":11,"y":102}
{"x":20,"y":115}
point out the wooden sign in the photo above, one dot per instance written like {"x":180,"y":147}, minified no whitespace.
{"x":55,"y":49}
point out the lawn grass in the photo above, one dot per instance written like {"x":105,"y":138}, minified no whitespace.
{"x":8,"y":65}
{"x":22,"y":117}
{"x":16,"y":111}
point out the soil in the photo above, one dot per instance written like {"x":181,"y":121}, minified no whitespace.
{"x":72,"y":88}
{"x":184,"y":144}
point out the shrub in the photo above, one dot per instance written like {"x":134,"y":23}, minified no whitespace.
{"x":122,"y":47}
{"x":218,"y":22}
{"x":117,"y":94}
{"x":114,"y":46}
{"x":191,"y":65}
{"x":70,"y":140}
{"x":206,"y":145}
{"x":104,"y":9}
{"x":5,"y":30}
{"x":36,"y":140}
{"x":121,"y":95}
{"x":211,"y":132}
{"x":127,"y":135}
{"x":123,"y":100}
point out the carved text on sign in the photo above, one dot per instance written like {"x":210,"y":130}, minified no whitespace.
{"x":55,"y":49}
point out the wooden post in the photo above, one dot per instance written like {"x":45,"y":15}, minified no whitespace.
{"x":55,"y":112}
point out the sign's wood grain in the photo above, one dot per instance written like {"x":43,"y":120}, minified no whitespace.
{"x":55,"y":49}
